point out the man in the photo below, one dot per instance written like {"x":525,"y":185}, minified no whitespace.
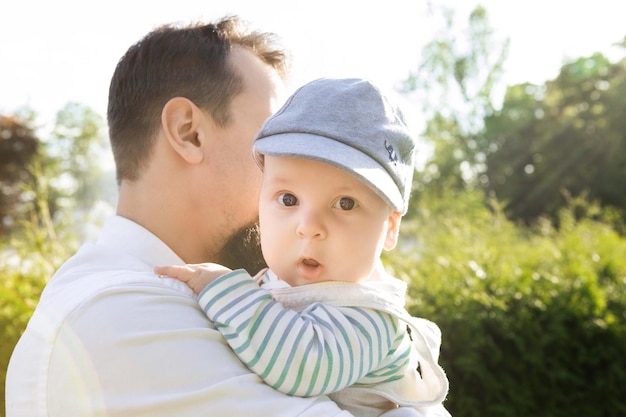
{"x":109,"y":337}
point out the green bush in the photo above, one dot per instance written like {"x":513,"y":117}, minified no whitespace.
{"x":533,"y":321}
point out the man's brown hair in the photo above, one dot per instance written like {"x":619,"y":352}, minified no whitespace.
{"x":178,"y":61}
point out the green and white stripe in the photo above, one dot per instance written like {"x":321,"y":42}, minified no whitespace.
{"x":319,"y":350}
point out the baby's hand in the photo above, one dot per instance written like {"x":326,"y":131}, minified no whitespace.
{"x":196,"y":276}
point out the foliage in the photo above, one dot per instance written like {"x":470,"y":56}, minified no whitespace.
{"x":546,"y":143}
{"x":533,"y":320}
{"x":56,"y":193}
{"x":70,"y":160}
{"x":457,"y":84}
{"x":566,"y":138}
{"x":18,"y":146}
{"x":533,"y":315}
{"x":75,"y":151}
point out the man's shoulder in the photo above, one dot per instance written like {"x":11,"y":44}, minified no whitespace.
{"x":99,"y":278}
{"x":93,"y":269}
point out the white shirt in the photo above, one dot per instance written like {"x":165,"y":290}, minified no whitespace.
{"x":110,"y":338}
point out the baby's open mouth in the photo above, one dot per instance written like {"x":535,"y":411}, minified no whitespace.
{"x":310,"y":262}
{"x":310,"y":269}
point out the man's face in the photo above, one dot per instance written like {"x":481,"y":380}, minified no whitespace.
{"x":236,"y":175}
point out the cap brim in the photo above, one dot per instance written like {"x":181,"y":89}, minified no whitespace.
{"x":335,"y":153}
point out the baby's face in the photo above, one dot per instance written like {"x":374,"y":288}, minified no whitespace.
{"x":319,"y":223}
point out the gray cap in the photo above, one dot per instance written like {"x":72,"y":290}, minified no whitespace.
{"x":350,"y":124}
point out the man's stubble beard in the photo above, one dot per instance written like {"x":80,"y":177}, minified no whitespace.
{"x":243,"y":250}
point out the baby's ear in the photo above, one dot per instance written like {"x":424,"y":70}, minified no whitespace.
{"x":393,"y":229}
{"x":180,"y":120}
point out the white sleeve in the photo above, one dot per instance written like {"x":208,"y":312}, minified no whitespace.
{"x":145,"y":351}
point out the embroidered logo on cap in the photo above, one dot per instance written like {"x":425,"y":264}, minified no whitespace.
{"x":393,"y":156}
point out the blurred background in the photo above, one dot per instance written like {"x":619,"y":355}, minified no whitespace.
{"x":515,"y":242}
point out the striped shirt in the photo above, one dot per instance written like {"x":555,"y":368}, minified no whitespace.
{"x":319,"y":350}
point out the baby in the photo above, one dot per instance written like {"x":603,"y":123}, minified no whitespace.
{"x":325,"y":318}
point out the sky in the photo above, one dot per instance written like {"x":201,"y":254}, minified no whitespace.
{"x":54,"y":52}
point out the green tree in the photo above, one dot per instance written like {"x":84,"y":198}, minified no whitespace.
{"x":566,"y":138}
{"x":18,"y":146}
{"x":73,"y":157}
{"x":456,"y":84}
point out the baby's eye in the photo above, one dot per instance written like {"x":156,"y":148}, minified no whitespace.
{"x":346,"y":204}
{"x":287,"y":200}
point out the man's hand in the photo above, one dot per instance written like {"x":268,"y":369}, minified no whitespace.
{"x":196,"y":276}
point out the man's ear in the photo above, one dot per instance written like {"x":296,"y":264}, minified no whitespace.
{"x":393,"y":229}
{"x":180,"y":120}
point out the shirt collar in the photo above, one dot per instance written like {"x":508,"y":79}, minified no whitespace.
{"x":133,"y":239}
